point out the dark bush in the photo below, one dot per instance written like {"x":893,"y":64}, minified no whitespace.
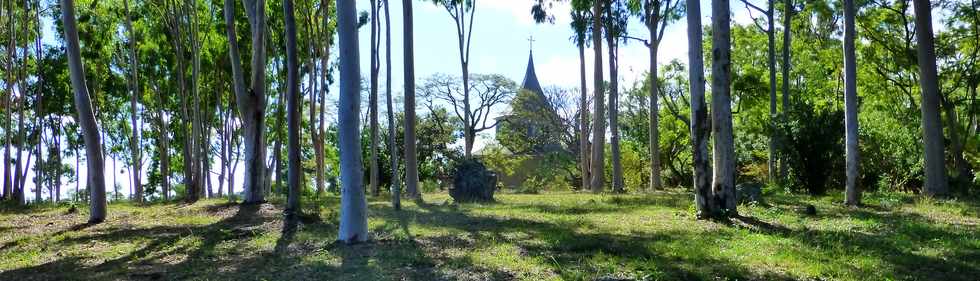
{"x":813,"y":143}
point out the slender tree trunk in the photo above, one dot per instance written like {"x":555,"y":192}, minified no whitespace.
{"x":411,"y":159}
{"x":723,"y":183}
{"x":353,"y":204}
{"x":164,"y":143}
{"x":7,"y":184}
{"x":773,"y":160}
{"x":617,"y":164}
{"x":392,"y":147}
{"x":583,"y":117}
{"x":39,"y":111}
{"x":852,"y":194}
{"x":655,"y":178}
{"x":86,"y":115}
{"x":599,"y":122}
{"x":251,"y":101}
{"x":932,"y":132}
{"x":703,"y":199}
{"x":787,"y":48}
{"x":134,"y":103}
{"x":373,"y":99}
{"x":293,"y":111}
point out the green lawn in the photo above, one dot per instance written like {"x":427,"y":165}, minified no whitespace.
{"x":554,"y":236}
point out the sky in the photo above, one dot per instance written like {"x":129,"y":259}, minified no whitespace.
{"x":500,"y":45}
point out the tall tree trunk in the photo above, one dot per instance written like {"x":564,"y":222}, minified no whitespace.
{"x":392,"y":147}
{"x":293,"y":111}
{"x":655,"y":178}
{"x":599,"y":122}
{"x":723,"y":182}
{"x":133,"y":103}
{"x":773,"y":167}
{"x":932,"y":132}
{"x":617,"y":164}
{"x":39,"y":110}
{"x":164,"y":152}
{"x":787,"y":48}
{"x":852,"y":194}
{"x":373,"y":99}
{"x":704,"y":202}
{"x":7,"y":184}
{"x":251,"y":101}
{"x":86,"y":115}
{"x":353,"y":204}
{"x":411,"y":159}
{"x":583,"y":140}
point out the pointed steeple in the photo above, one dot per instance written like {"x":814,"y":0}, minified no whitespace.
{"x":530,"y":77}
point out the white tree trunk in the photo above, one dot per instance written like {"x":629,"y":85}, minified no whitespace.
{"x":373,"y":99}
{"x":699,"y":113}
{"x":353,"y":203}
{"x":134,"y":103}
{"x":583,"y":118}
{"x":852,"y":195}
{"x":86,"y":116}
{"x":723,"y":182}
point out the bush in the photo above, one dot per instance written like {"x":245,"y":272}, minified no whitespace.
{"x":813,"y":142}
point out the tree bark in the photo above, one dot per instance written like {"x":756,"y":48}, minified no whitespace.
{"x":852,"y":194}
{"x":773,"y":160}
{"x":86,"y":115}
{"x":598,"y":123}
{"x":411,"y":158}
{"x":617,"y":164}
{"x":373,"y":99}
{"x":251,"y":101}
{"x":583,"y":117}
{"x":787,"y":48}
{"x":703,"y":199}
{"x":723,"y":182}
{"x":134,"y":103}
{"x":293,"y":111}
{"x":932,"y":134}
{"x":392,"y":147}
{"x":7,"y":184}
{"x":353,"y":204}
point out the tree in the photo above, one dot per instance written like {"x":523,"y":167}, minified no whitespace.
{"x":487,"y":91}
{"x":459,"y":10}
{"x":787,"y":47}
{"x":703,"y":198}
{"x":932,"y":132}
{"x":852,"y":194}
{"x":580,"y":24}
{"x":373,"y":98}
{"x":392,"y":148}
{"x":723,"y":182}
{"x":411,"y":159}
{"x":251,"y":101}
{"x":656,"y":15}
{"x":353,"y":204}
{"x":771,"y":54}
{"x":136,"y":93}
{"x":615,"y":24}
{"x":293,"y":111}
{"x":86,"y":116}
{"x":598,"y":121}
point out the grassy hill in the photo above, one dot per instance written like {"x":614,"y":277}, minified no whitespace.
{"x":553,"y":236}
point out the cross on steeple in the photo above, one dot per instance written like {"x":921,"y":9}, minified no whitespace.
{"x":530,"y":42}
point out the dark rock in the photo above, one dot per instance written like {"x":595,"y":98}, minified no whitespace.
{"x":809,"y":210}
{"x":473,"y":182}
{"x":748,"y":193}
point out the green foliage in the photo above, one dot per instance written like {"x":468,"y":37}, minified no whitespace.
{"x":813,"y":145}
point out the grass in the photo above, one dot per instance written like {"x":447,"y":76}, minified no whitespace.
{"x":552,"y":236}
